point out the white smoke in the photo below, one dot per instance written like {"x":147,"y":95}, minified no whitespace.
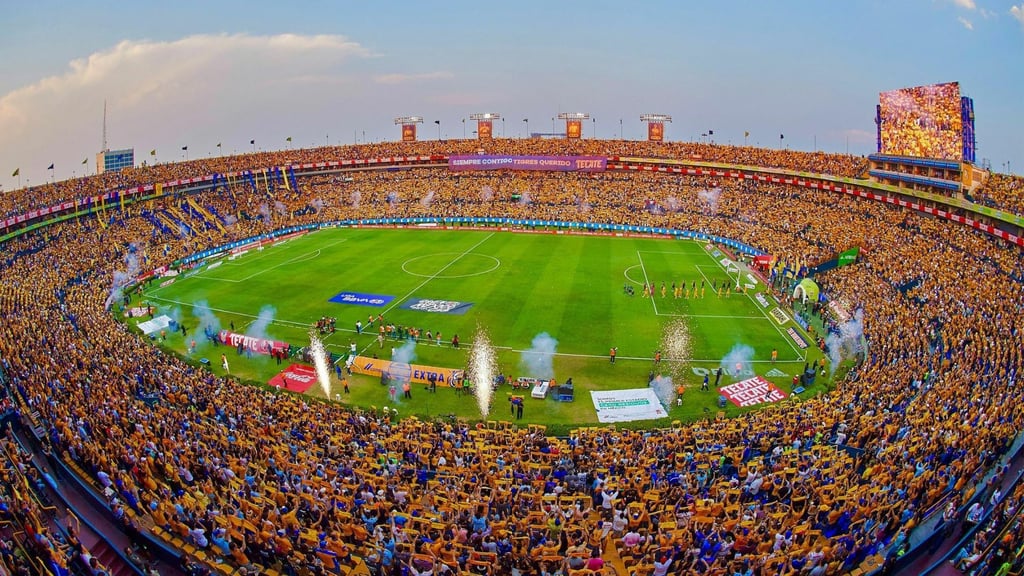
{"x":356,"y":197}
{"x":122,"y":278}
{"x":317,"y":204}
{"x":847,"y":343}
{"x":486,"y":194}
{"x":710,"y":199}
{"x":401,"y":371}
{"x":230,"y":220}
{"x":538,"y":361}
{"x":258,"y":328}
{"x":665,"y":390}
{"x":265,"y":212}
{"x":672,"y":204}
{"x":525,"y":199}
{"x":208,"y":321}
{"x":738,"y":360}
{"x":280,"y":208}
{"x":392,"y":198}
{"x":426,"y":200}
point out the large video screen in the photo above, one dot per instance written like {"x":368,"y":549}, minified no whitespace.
{"x":922,"y":121}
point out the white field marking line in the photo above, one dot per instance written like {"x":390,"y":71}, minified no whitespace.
{"x":715,"y":361}
{"x":785,"y":337}
{"x":222,"y":310}
{"x":300,"y":258}
{"x":721,"y":316}
{"x":424,"y":283}
{"x":646,"y":281}
{"x":691,"y":253}
{"x":626,"y":274}
{"x":265,"y":254}
{"x":497,"y":264}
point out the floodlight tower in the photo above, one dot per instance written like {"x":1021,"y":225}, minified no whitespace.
{"x":485,"y":124}
{"x":655,"y":126}
{"x":573,"y":123}
{"x":408,"y":124}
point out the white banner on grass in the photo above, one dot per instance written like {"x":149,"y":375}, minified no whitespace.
{"x":155,"y":325}
{"x":627,"y":405}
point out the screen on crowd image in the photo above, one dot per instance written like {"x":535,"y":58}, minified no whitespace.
{"x":922,"y":121}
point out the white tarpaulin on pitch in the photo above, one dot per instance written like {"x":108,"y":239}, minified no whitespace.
{"x":155,"y":325}
{"x":627,"y":405}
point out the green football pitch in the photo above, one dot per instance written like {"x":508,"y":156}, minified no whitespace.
{"x":517,"y":285}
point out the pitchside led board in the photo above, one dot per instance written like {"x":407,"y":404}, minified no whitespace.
{"x":408,"y":132}
{"x":484,"y":129}
{"x":573,"y":129}
{"x":655,"y":131}
{"x":923,"y":121}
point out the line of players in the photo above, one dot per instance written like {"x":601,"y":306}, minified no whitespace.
{"x":681,"y":291}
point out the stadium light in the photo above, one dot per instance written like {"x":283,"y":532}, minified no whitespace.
{"x":655,"y":118}
{"x":573,"y":116}
{"x":408,"y":120}
{"x":487,"y":116}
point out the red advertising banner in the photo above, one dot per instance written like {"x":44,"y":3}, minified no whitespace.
{"x":751,"y":392}
{"x":408,"y":132}
{"x":297,"y":378}
{"x":484,"y":129}
{"x":655,"y":131}
{"x":574,"y":129}
{"x":257,"y":345}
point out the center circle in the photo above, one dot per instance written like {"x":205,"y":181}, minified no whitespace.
{"x":450,"y":265}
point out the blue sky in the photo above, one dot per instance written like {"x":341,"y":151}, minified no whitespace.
{"x":196,"y":73}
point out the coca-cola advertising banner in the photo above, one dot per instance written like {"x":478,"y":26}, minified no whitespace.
{"x":252,"y":344}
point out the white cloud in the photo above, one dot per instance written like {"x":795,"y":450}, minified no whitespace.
{"x":966,"y":23}
{"x":1018,"y":13}
{"x":406,"y":78}
{"x":966,"y":4}
{"x":194,"y":91}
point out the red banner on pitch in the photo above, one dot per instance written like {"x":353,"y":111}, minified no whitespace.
{"x":574,"y":129}
{"x":484,"y":129}
{"x":252,"y":344}
{"x":408,"y":132}
{"x":297,"y":378}
{"x":751,"y":392}
{"x":655,"y":131}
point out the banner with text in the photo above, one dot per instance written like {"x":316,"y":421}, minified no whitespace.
{"x":251,"y":343}
{"x":544,"y":163}
{"x":297,"y":378}
{"x":402,"y":371}
{"x":408,"y":132}
{"x":627,"y":405}
{"x":751,"y":392}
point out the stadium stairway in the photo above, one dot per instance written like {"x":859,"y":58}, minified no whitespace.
{"x":205,"y":214}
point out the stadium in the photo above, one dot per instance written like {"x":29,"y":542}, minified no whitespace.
{"x":538,"y":355}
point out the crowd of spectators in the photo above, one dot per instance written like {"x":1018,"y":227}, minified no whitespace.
{"x":250,"y":478}
{"x":19,"y":201}
{"x":1004,"y":192}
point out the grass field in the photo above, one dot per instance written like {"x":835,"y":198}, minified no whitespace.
{"x":520,"y":285}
